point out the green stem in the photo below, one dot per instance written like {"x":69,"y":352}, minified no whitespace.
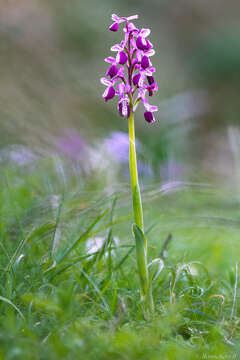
{"x":141,"y":242}
{"x":136,"y":195}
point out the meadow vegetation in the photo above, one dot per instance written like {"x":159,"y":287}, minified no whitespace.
{"x":69,"y":282}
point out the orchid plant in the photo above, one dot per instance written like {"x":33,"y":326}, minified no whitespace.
{"x":130,"y":77}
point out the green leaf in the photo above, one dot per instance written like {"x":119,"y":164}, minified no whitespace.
{"x":137,"y":207}
{"x":141,"y":257}
{"x":9,"y":302}
{"x":36,"y":232}
{"x":125,"y":257}
{"x":155,"y":268}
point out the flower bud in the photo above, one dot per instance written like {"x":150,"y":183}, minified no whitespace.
{"x":113,"y":27}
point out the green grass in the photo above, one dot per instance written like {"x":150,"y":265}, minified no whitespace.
{"x":58,"y":302}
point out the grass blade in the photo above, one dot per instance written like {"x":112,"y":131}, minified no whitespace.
{"x":83,"y":237}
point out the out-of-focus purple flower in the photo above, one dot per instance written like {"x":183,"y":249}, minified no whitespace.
{"x":145,"y":169}
{"x":185,"y":105}
{"x":131,"y":69}
{"x":19,"y":154}
{"x":72,"y":145}
{"x":118,"y":146}
{"x":171,"y":170}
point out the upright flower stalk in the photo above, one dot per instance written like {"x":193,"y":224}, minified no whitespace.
{"x":130,"y":77}
{"x":136,"y":195}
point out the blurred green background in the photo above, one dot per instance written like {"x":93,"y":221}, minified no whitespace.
{"x":52,"y":57}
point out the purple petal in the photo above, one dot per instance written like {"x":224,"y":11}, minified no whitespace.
{"x":141,"y":43}
{"x":142,"y":95}
{"x":152,"y":89}
{"x":141,"y":80}
{"x":121,"y":58}
{"x":148,"y":72}
{"x":133,"y":42}
{"x":148,"y":107}
{"x":110,"y":60}
{"x":145,"y":63}
{"x":136,"y":79}
{"x":144,"y":32}
{"x":148,"y":115}
{"x":109,"y":93}
{"x":121,"y":72}
{"x":152,"y":69}
{"x":112,"y":71}
{"x":116,"y":47}
{"x":150,"y":80}
{"x":149,"y":45}
{"x":105,"y":81}
{"x":124,"y":109}
{"x":137,"y":66}
{"x":133,"y":17}
{"x":130,"y":28}
{"x":150,"y":52}
{"x":113,"y":27}
{"x":138,"y":56}
{"x":153,"y":108}
{"x":121,"y":89}
{"x":119,"y":20}
{"x":115,"y":18}
{"x":128,"y":88}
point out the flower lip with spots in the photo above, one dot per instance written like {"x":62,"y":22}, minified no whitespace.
{"x":130,"y":75}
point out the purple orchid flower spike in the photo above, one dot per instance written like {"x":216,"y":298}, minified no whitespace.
{"x":130,"y":75}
